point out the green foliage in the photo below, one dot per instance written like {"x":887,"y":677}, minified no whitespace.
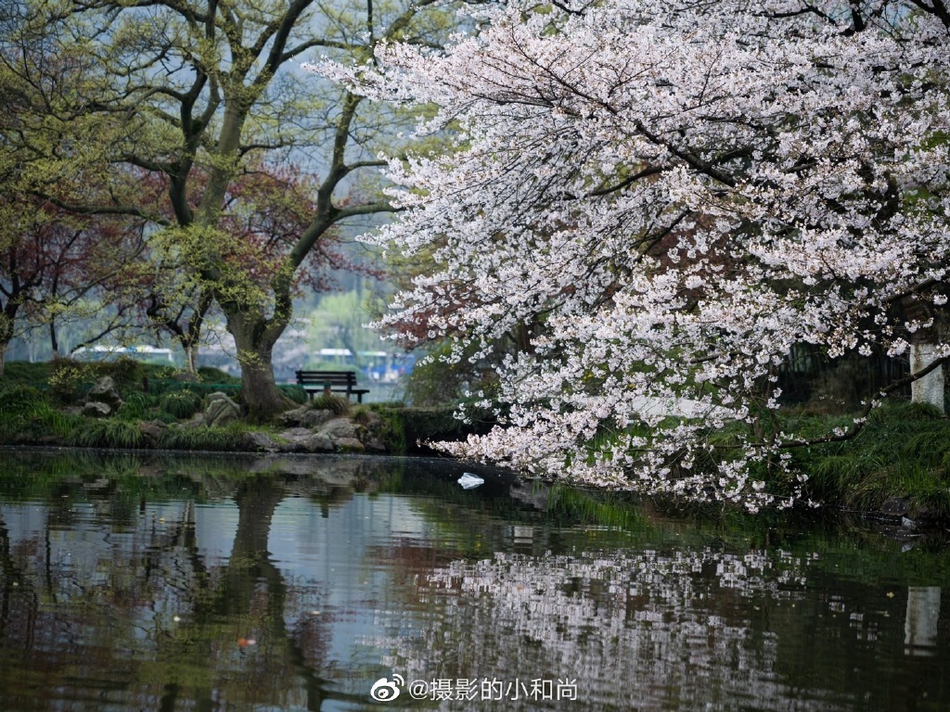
{"x":106,"y":433}
{"x":26,"y":373}
{"x":215,"y":439}
{"x":17,"y":397}
{"x":209,"y":374}
{"x":137,"y":406}
{"x":338,"y":405}
{"x":295,"y":393}
{"x":433,"y":424}
{"x":435,"y":382}
{"x":387,"y":425}
{"x":69,"y":380}
{"x":903,"y":452}
{"x":127,"y":373}
{"x":180,"y":404}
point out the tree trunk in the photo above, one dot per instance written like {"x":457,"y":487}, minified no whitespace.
{"x":191,"y":358}
{"x":3,"y":356}
{"x":928,"y":389}
{"x":255,"y":345}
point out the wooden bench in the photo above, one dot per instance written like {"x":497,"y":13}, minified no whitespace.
{"x":338,"y":382}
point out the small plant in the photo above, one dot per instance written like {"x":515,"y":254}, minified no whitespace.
{"x":335,"y":404}
{"x":67,"y":378}
{"x":137,"y":406}
{"x":107,"y":433}
{"x":18,"y":397}
{"x":214,"y":439}
{"x":180,"y":404}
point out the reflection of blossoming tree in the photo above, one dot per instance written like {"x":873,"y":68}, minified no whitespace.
{"x":655,"y":619}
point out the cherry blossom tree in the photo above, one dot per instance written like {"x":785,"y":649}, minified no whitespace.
{"x":676,"y":193}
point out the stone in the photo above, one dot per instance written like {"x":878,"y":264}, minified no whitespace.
{"x":293,"y":418}
{"x":220,"y":410}
{"x":260,"y":442}
{"x":316,"y":418}
{"x":95,"y":409}
{"x":342,"y":428}
{"x":348,"y":445}
{"x":152,"y":432}
{"x":104,"y":391}
{"x":320,"y":442}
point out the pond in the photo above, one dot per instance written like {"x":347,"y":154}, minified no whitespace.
{"x":134,"y":582}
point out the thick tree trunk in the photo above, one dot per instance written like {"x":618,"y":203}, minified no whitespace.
{"x":255,"y":345}
{"x":3,"y":356}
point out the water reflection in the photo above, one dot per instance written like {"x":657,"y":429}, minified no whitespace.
{"x":295,"y":584}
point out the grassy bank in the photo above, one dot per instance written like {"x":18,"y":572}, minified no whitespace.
{"x":897,"y":466}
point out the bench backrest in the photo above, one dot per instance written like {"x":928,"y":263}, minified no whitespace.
{"x":334,"y":378}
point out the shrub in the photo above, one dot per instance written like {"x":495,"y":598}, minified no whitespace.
{"x":215,"y":439}
{"x":106,"y":433}
{"x":18,"y":397}
{"x":335,"y":404}
{"x":137,"y":406}
{"x":180,"y":404}
{"x":69,"y":380}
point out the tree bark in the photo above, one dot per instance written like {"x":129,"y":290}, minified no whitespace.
{"x":928,"y":389}
{"x":255,"y":345}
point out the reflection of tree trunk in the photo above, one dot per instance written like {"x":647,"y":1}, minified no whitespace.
{"x":257,"y":499}
{"x":920,"y":626}
{"x":10,"y":573}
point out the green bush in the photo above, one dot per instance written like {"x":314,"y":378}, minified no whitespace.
{"x":335,"y":404}
{"x":201,"y":438}
{"x":106,"y":433}
{"x":181,"y":404}
{"x":386,"y":423}
{"x":69,"y":380}
{"x":137,"y":406}
{"x":17,"y":397}
{"x":215,"y":375}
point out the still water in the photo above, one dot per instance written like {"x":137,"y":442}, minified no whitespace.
{"x":149,"y":583}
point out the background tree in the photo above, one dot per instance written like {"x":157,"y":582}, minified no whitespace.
{"x":678,"y":193}
{"x":202,"y":91}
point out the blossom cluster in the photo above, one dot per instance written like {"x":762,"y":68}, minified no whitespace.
{"x":672,"y":195}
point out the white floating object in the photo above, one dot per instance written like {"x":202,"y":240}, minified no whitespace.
{"x":470,"y":481}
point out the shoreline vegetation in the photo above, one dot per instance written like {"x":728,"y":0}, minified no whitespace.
{"x":897,"y":471}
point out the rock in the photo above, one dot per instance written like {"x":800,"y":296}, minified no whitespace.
{"x":104,"y":391}
{"x":261,"y":442}
{"x":95,"y":409}
{"x":294,"y":440}
{"x":305,"y":416}
{"x":348,"y":445}
{"x":316,"y":418}
{"x":374,"y":444}
{"x":152,"y":432}
{"x":293,"y":418}
{"x":342,"y":428}
{"x":220,"y":410}
{"x":895,"y":507}
{"x":320,"y":442}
